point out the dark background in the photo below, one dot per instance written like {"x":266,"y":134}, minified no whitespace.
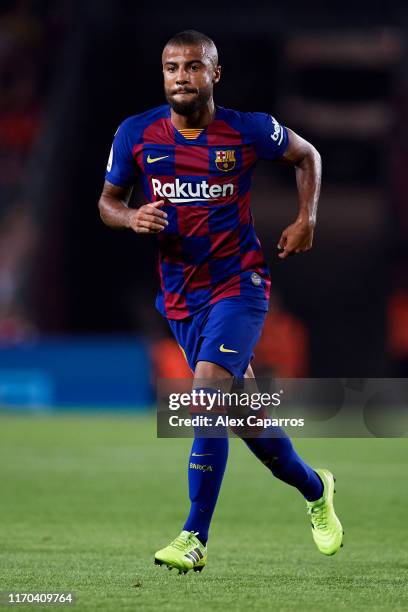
{"x":72,"y":71}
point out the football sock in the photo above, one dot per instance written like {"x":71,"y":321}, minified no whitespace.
{"x":206,"y":467}
{"x":278,"y":454}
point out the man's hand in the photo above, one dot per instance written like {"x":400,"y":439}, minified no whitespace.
{"x":296,"y":238}
{"x":148,"y":219}
{"x":114,"y":211}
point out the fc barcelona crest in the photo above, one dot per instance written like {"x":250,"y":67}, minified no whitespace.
{"x":225,"y":160}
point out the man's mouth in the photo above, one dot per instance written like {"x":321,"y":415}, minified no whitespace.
{"x":184,"y":92}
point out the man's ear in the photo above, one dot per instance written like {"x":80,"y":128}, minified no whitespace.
{"x":217,"y":75}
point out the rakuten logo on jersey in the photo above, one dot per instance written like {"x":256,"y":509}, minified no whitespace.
{"x":179,"y":192}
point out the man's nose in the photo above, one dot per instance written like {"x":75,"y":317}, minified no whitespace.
{"x":182,"y":76}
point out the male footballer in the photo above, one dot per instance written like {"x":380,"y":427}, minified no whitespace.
{"x":196,"y":161}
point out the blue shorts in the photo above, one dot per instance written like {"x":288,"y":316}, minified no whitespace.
{"x":224,"y":333}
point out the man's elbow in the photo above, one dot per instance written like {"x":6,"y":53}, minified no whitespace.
{"x":311,"y":158}
{"x":103,"y":210}
{"x":313,"y":155}
{"x":317,"y":156}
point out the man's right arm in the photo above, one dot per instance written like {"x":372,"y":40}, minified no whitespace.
{"x":114,"y":211}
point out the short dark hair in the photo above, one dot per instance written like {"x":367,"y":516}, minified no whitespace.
{"x":193,"y":37}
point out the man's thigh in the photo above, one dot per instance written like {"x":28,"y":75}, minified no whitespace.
{"x":230,"y":334}
{"x":224,"y":334}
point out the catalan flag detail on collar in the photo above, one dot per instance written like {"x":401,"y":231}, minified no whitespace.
{"x":191,"y":133}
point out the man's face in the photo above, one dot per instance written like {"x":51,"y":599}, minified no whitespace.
{"x":189,"y":77}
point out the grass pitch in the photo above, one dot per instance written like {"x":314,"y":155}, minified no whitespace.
{"x":85,"y":502}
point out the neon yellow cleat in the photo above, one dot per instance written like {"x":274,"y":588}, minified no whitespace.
{"x":326,"y":528}
{"x":186,"y":552}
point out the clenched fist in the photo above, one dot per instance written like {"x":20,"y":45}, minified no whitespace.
{"x":148,"y":219}
{"x":296,"y":238}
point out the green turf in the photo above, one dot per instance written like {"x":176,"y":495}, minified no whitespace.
{"x":85,"y":502}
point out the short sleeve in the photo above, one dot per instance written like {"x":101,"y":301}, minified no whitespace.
{"x":271,"y":138}
{"x":121,"y":166}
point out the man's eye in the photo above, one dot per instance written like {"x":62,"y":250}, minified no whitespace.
{"x":170,"y":69}
{"x":195,"y":67}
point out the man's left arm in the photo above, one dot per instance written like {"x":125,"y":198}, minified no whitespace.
{"x":298,"y":237}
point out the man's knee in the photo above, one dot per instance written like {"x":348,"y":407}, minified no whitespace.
{"x":206,"y":370}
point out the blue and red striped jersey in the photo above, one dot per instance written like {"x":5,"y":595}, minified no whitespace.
{"x":209,"y":250}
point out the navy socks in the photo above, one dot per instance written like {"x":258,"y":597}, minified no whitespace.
{"x":281,"y":458}
{"x":207,"y":464}
{"x":206,"y":469}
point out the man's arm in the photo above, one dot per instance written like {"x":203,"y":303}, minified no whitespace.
{"x":298,"y":236}
{"x":114,"y":211}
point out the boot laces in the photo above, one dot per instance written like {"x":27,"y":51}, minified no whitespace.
{"x":183,"y":542}
{"x":318,"y":515}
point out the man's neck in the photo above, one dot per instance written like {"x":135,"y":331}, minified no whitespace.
{"x":199,"y":119}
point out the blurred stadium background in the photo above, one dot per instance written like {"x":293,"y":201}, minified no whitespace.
{"x":78,"y":329}
{"x":77,"y":322}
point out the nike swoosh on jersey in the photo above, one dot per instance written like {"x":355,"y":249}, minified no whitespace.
{"x":151,"y":160}
{"x":225,"y":350}
{"x":201,"y":454}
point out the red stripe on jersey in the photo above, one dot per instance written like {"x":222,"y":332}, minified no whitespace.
{"x":224,"y":244}
{"x":249,"y":156}
{"x":253,"y":260}
{"x":229,"y":288}
{"x":197,"y":277}
{"x":267,"y":287}
{"x":184,"y":165}
{"x":244,"y":210}
{"x":221,"y":134}
{"x":192,"y":220}
{"x":175,"y":304}
{"x":159,"y":132}
{"x":137,"y":153}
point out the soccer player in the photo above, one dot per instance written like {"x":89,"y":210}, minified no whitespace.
{"x":196,"y":161}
